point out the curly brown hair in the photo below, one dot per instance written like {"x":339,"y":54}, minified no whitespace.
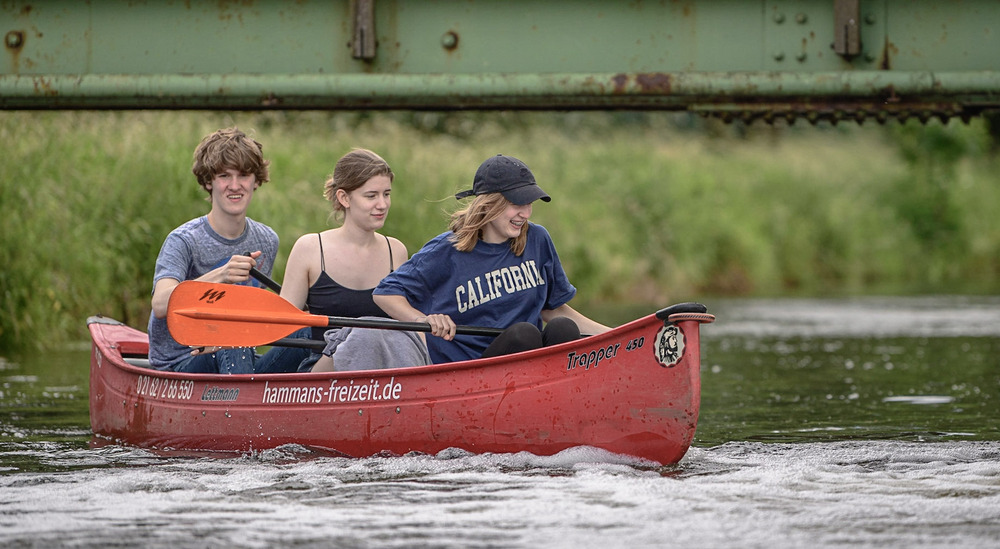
{"x":226,"y":149}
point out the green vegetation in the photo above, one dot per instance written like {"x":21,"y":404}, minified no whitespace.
{"x":648,"y":208}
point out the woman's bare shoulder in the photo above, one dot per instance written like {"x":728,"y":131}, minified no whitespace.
{"x":398,"y":248}
{"x":306,"y":243}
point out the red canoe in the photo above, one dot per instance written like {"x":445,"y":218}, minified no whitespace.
{"x":634,"y":390}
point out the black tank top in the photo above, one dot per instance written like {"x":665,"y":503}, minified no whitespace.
{"x":327,"y":298}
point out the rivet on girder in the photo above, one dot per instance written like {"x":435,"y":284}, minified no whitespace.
{"x":14,"y":40}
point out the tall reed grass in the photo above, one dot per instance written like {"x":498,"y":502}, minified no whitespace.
{"x":648,"y":208}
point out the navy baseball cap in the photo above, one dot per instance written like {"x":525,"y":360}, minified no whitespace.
{"x":508,"y":176}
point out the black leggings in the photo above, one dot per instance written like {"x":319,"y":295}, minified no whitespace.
{"x":524,"y":336}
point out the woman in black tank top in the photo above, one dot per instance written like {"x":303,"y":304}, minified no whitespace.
{"x":333,"y":273}
{"x":328,"y":298}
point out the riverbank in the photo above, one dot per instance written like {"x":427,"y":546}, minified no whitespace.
{"x":647,"y":207}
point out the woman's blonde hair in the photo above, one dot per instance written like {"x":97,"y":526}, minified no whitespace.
{"x":353,"y":170}
{"x":467,"y":223}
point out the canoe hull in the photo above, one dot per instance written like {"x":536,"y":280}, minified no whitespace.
{"x":634,"y":391}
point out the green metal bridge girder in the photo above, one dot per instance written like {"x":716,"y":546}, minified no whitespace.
{"x":733,"y":58}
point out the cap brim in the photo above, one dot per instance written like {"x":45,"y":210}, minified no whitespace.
{"x":525,"y":195}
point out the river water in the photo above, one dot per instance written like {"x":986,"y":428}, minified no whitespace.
{"x":872,"y":422}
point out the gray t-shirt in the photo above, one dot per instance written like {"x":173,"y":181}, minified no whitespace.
{"x":190,"y":251}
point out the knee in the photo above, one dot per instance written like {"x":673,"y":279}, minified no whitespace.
{"x":519,"y":337}
{"x":560,"y":330}
{"x":526,"y":333}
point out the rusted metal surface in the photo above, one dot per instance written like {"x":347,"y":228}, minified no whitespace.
{"x":749,"y":96}
{"x":747,"y":59}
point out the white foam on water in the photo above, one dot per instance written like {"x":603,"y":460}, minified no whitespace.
{"x":921,"y":399}
{"x":868,"y":494}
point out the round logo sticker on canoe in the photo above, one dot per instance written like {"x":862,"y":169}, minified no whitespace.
{"x":669,"y":346}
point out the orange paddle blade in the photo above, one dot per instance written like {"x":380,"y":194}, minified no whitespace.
{"x":227,"y":315}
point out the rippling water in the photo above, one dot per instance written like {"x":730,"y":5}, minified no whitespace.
{"x":824,"y":423}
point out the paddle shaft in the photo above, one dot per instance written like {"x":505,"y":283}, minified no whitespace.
{"x":264,"y":279}
{"x":298,"y":343}
{"x":304,"y":320}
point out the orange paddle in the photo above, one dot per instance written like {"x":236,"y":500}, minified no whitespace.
{"x":227,"y":315}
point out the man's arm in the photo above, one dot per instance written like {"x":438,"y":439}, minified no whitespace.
{"x":235,"y":271}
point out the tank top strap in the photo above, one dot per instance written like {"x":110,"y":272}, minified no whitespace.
{"x":322,"y":260}
{"x":392,"y":267}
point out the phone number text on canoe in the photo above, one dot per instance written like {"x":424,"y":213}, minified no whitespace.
{"x":155,"y":387}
